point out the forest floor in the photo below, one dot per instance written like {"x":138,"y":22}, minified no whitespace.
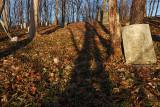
{"x":70,"y":67}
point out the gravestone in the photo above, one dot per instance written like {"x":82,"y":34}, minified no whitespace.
{"x":105,"y":18}
{"x":46,"y":23}
{"x":65,"y":24}
{"x":21,"y":26}
{"x":41,"y":23}
{"x":138,"y":45}
{"x":28,"y":30}
{"x":24,"y":25}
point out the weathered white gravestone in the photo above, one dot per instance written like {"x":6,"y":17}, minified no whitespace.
{"x":138,"y":45}
{"x":24,"y":25}
{"x":46,"y":23}
{"x":41,"y":23}
{"x":21,"y":26}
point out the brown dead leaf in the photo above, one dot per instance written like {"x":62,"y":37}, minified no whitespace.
{"x":33,"y":90}
{"x":125,"y":83}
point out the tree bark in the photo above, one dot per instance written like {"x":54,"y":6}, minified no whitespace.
{"x":115,"y":31}
{"x":68,"y":11}
{"x":8,"y":11}
{"x":5,"y":19}
{"x":45,"y":8}
{"x":122,"y":9}
{"x":153,"y":8}
{"x":77,"y":14}
{"x":28,"y":7}
{"x":150,"y":8}
{"x":2,"y":6}
{"x":33,"y":18}
{"x":89,"y":10}
{"x":72,"y":12}
{"x":157,"y":8}
{"x":6,"y":28}
{"x":137,"y":11}
{"x":145,"y":14}
{"x":39,"y":13}
{"x":63,"y":12}
{"x":104,"y":5}
{"x":97,"y":10}
{"x":56,"y":16}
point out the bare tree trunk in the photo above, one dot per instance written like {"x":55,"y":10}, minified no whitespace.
{"x":63,"y":12}
{"x":157,"y":8}
{"x":153,"y":7}
{"x":6,"y":28}
{"x":77,"y":14}
{"x":145,"y":14}
{"x":115,"y":30}
{"x":2,"y":6}
{"x":56,"y":16}
{"x":89,"y":10}
{"x":45,"y":8}
{"x":104,"y":5}
{"x":15,"y":16}
{"x":33,"y":18}
{"x":39,"y":13}
{"x":5,"y":19}
{"x":122,"y":9}
{"x":137,"y":11}
{"x":68,"y":11}
{"x":73,"y":12}
{"x":150,"y":8}
{"x":28,"y":13}
{"x":8,"y":10}
{"x":97,"y":11}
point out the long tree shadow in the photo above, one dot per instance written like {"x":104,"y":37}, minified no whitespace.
{"x":15,"y":47}
{"x":51,"y":30}
{"x":89,"y":85}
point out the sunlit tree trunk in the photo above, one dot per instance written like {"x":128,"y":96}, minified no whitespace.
{"x":2,"y":6}
{"x":137,"y":11}
{"x":104,"y":5}
{"x":33,"y":18}
{"x":5,"y":19}
{"x":115,"y":31}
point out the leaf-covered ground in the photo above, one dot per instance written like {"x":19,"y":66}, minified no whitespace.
{"x":70,"y":67}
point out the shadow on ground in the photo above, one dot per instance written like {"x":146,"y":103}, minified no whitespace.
{"x":50,"y":30}
{"x":88,"y":86}
{"x":14,"y":48}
